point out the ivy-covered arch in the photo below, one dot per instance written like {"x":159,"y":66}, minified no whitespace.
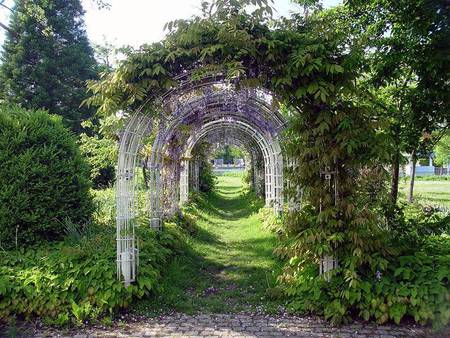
{"x":198,"y":114}
{"x":308,"y":70}
{"x":267,"y":146}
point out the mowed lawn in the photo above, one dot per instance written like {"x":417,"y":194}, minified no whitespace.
{"x":435,"y":193}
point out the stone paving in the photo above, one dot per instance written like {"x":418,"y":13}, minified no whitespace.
{"x":243,"y":325}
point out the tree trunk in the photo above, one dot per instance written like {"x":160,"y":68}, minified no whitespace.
{"x":413,"y":176}
{"x":395,"y":178}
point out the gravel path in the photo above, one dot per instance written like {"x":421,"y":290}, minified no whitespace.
{"x":241,"y":325}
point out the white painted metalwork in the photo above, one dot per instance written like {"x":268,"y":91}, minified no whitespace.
{"x":209,"y":110}
{"x":327,"y":263}
{"x":219,"y":104}
{"x":126,"y":208}
{"x":184,"y":181}
{"x":273,"y":160}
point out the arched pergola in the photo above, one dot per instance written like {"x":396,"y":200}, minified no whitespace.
{"x":219,"y":77}
{"x":212,"y":110}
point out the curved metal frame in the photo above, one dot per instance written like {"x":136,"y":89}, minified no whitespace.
{"x":126,"y":201}
{"x":208,"y":107}
{"x":273,"y":160}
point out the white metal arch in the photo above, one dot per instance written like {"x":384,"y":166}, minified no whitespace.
{"x":210,"y":106}
{"x":126,"y":201}
{"x":273,"y":160}
{"x":253,"y":118}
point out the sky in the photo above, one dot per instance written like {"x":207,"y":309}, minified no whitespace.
{"x":134,"y":22}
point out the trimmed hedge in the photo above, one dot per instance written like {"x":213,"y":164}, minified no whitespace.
{"x":43,"y":178}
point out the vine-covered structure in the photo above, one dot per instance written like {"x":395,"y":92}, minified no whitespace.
{"x":225,"y":76}
{"x":213,"y":110}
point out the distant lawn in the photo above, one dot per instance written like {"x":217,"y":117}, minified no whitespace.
{"x":435,"y":193}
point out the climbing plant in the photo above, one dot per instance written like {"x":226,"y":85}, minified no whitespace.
{"x":311,"y":66}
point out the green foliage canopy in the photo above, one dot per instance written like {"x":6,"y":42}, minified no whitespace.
{"x":314,"y":68}
{"x":406,"y":69}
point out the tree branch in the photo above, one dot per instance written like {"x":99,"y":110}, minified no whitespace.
{"x":4,"y":6}
{"x":9,"y":30}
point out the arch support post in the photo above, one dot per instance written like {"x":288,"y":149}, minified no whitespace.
{"x":268,"y":167}
{"x":155,"y":198}
{"x":278,"y":183}
{"x":195,"y":178}
{"x":126,"y":201}
{"x":184,"y":181}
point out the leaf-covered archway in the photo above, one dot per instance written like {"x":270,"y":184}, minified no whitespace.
{"x":207,"y":75}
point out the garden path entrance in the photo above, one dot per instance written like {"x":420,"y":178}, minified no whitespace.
{"x":229,"y":263}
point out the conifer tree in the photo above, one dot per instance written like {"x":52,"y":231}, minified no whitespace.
{"x":47,"y":59}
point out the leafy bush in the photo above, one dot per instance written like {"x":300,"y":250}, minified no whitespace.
{"x":415,"y":285}
{"x":207,"y":179}
{"x":105,"y":206}
{"x":101,"y":155}
{"x":411,"y":281}
{"x":270,"y":221}
{"x":43,"y":178}
{"x":247,"y":179}
{"x":67,"y":282}
{"x":411,"y":224}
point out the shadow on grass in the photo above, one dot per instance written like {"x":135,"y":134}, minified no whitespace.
{"x":216,"y":273}
{"x":230,"y":206}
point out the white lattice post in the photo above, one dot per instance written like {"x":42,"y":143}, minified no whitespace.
{"x":156,"y":187}
{"x":268,"y":167}
{"x":196,"y":175}
{"x":126,"y":201}
{"x":289,"y":184}
{"x":329,"y":262}
{"x":278,"y":183}
{"x":184,"y":181}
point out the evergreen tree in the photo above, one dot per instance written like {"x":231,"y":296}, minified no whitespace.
{"x":47,"y":59}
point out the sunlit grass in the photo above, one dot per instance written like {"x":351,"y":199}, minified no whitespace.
{"x":229,"y":263}
{"x":428,"y":192}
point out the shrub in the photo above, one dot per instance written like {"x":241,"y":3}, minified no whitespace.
{"x":105,"y":206}
{"x":411,"y":225}
{"x":207,"y":179}
{"x":412,"y":281}
{"x":75,"y":282}
{"x":43,"y":178}
{"x":415,"y":286}
{"x":101,"y":155}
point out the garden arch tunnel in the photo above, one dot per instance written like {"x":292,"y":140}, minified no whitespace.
{"x":268,"y":149}
{"x":213,"y":111}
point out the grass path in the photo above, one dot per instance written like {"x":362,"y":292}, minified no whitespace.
{"x":229,"y":263}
